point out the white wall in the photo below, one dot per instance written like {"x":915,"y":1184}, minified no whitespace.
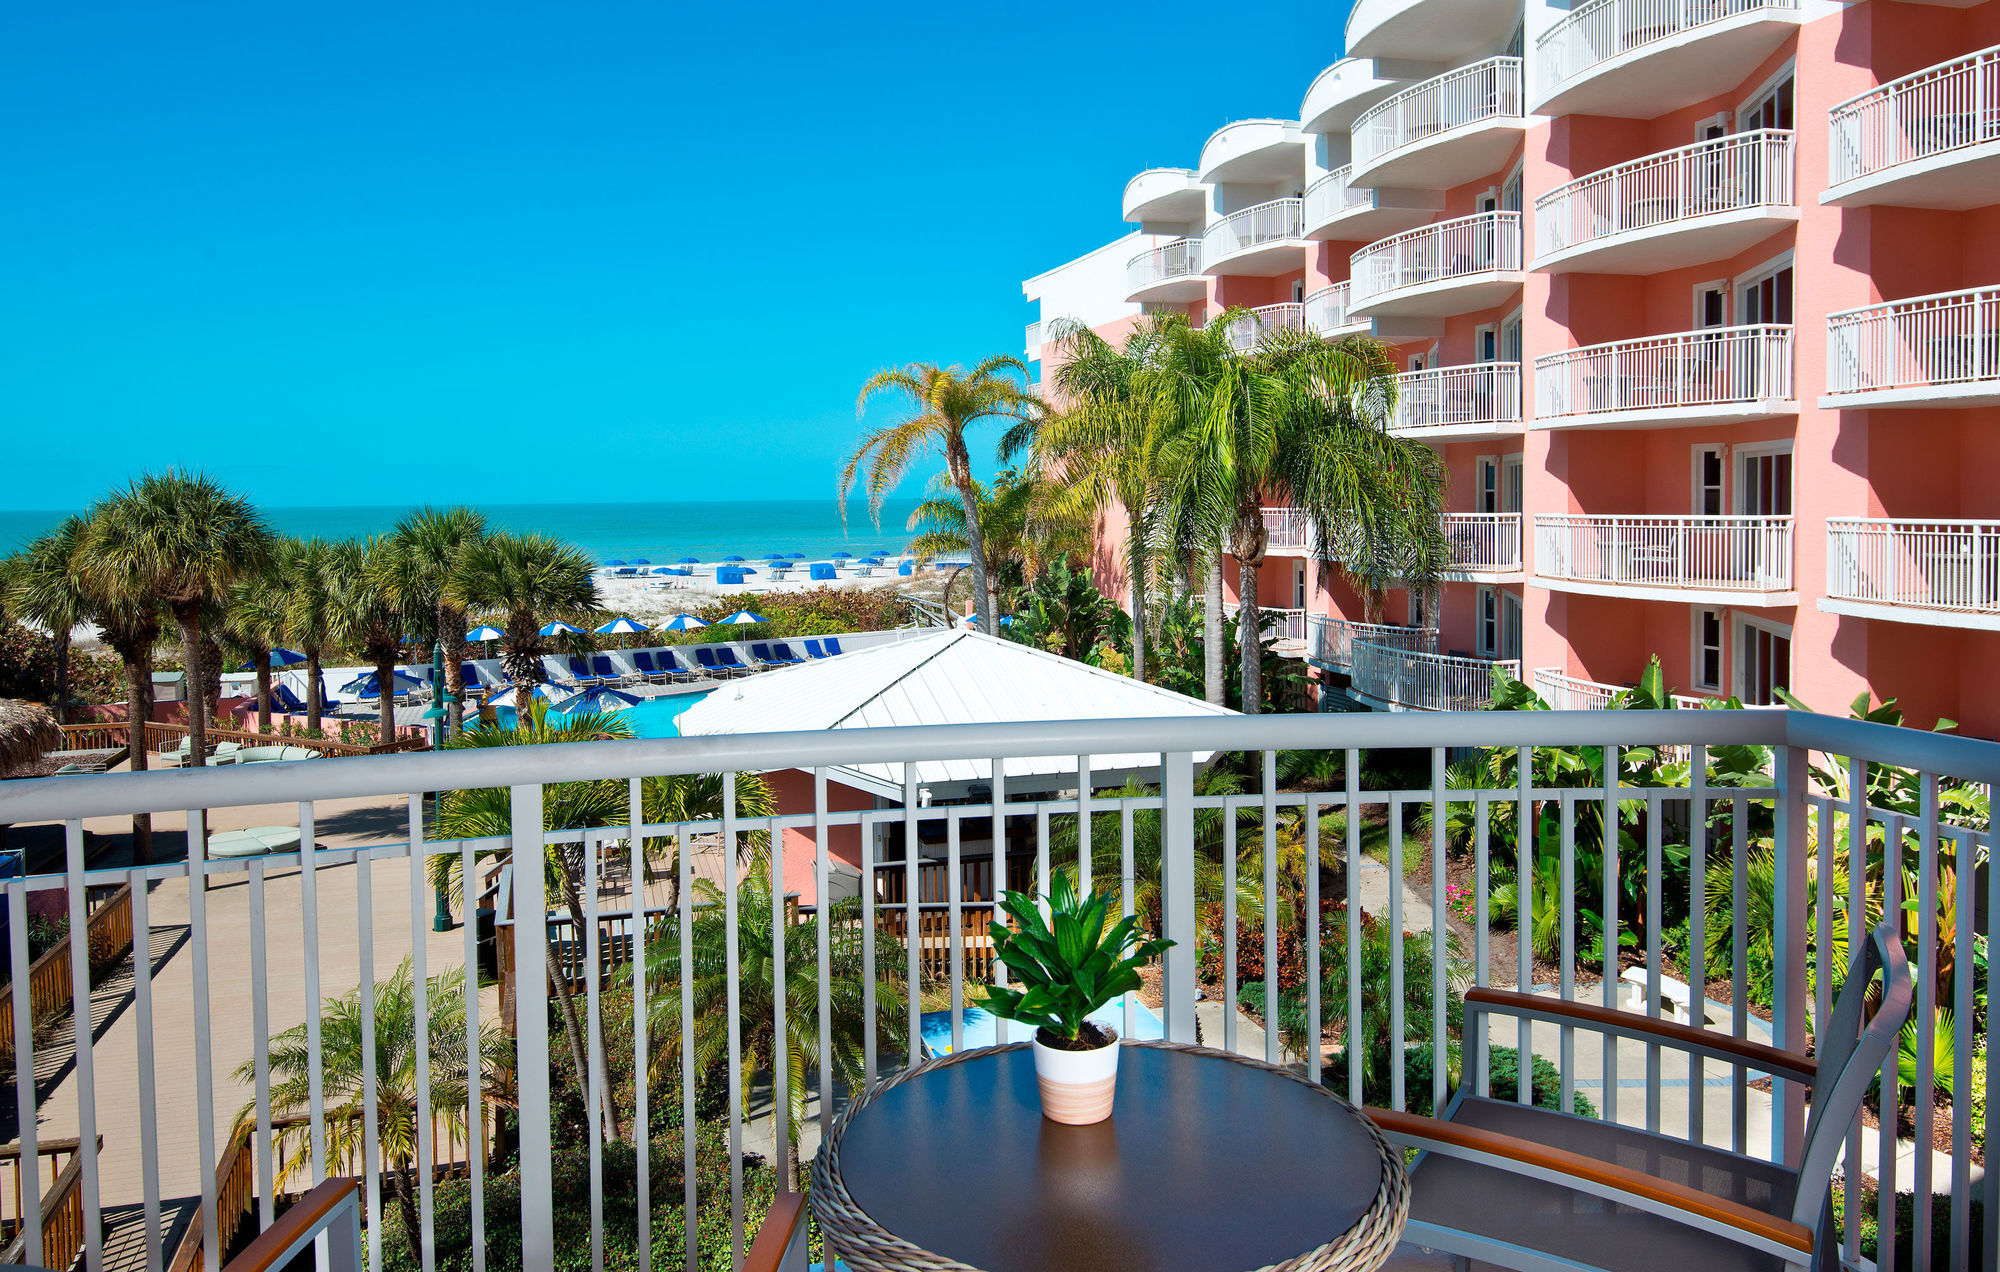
{"x":1091,"y":288}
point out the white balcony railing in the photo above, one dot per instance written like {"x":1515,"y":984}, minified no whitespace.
{"x":1951,"y":106}
{"x":1564,"y":692}
{"x":1482,"y":394}
{"x":1262,"y":321}
{"x":1483,"y":243}
{"x":1937,"y":565}
{"x":1484,"y":542}
{"x":1286,"y":530}
{"x":1288,"y":625}
{"x":1720,"y":367}
{"x":1033,"y":342}
{"x":1278,"y":221}
{"x":1331,"y":196}
{"x":1331,"y":640}
{"x":1178,"y":259}
{"x":1595,"y":33}
{"x":1418,"y":681}
{"x":1730,"y":174}
{"x":1925,"y":342}
{"x":1326,"y":310}
{"x":1734,"y":554}
{"x":1469,"y":95}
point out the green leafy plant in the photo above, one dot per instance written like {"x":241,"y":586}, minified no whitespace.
{"x":1068,"y":965}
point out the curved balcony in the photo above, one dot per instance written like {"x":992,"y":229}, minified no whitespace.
{"x":1451,"y":267}
{"x":1941,"y":350}
{"x":1642,"y":58}
{"x":1484,"y":545}
{"x":1330,"y":641}
{"x":1413,"y":680}
{"x":1167,"y":195}
{"x":1254,"y":150}
{"x":1262,"y":321}
{"x":1940,"y":573}
{"x":1680,"y":207}
{"x":1443,"y":132}
{"x":1170,"y":272}
{"x":1428,"y":30}
{"x":1725,"y":560}
{"x":1724,"y":375}
{"x":1259,"y":241}
{"x":1336,"y":98}
{"x":1326,"y":313}
{"x":1927,"y":140}
{"x":1459,"y":404}
{"x":1338,"y":209}
{"x":1564,"y":692}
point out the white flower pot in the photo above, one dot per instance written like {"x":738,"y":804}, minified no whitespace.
{"x":1077,"y":1086}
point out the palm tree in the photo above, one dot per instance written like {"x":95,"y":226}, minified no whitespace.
{"x":1018,"y":532}
{"x":306,"y":569}
{"x":186,"y":540}
{"x":365,"y":618}
{"x":42,"y":586}
{"x":345,"y":1063}
{"x":944,"y":403}
{"x":253,"y":620}
{"x":418,"y":565}
{"x":524,"y":577}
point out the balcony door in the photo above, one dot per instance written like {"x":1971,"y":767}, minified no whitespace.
{"x":1499,"y":483}
{"x":1499,"y":623}
{"x":1763,"y":661}
{"x":1764,"y":489}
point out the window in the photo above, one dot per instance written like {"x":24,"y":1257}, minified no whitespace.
{"x":1764,"y":481}
{"x":1708,"y":470}
{"x":1486,"y":341}
{"x":1708,"y":629}
{"x":1770,"y":108}
{"x":1298,"y":290}
{"x":1763,"y":660}
{"x":1711,"y":306}
{"x":1499,"y":483}
{"x":1298,"y":585}
{"x":1489,"y":484}
{"x":1419,"y":610}
{"x":1489,"y":622}
{"x":1510,"y":338}
{"x":1766,"y":297}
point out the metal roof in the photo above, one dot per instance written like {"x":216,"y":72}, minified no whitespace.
{"x":945,"y":677}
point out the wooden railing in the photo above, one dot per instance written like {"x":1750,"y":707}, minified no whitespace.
{"x":164,"y":735}
{"x":61,"y":1208}
{"x":109,"y":935}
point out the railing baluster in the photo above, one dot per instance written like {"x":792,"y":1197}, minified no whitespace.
{"x":782,"y":1129}
{"x":1177,"y":894}
{"x":204,"y":1073}
{"x":1125,"y":885}
{"x":684,"y":866}
{"x":531,"y":1044}
{"x":1524,"y":912}
{"x":475,"y":1062}
{"x":260,"y":1029}
{"x":1698,"y":933}
{"x":1566,"y":1056}
{"x":1229,"y":866}
{"x":1440,"y":925}
{"x":1655,"y":960}
{"x":25,"y":1090}
{"x":1398,"y":1032}
{"x":420,"y":1029}
{"x":733,"y":960}
{"x":954,"y":911}
{"x":1924,"y":1112}
{"x":823,"y":956}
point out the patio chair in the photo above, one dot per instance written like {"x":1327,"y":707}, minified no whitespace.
{"x":673,"y":668}
{"x":780,"y":1245}
{"x":725,"y":655}
{"x":783,"y":653}
{"x":286,"y":701}
{"x":832,"y":647}
{"x":605,"y":670}
{"x":815,"y":651}
{"x":1534,"y":1188}
{"x":648,"y":669}
{"x":468,"y":679}
{"x":705,"y":656}
{"x":761,"y":654}
{"x":580,"y":672}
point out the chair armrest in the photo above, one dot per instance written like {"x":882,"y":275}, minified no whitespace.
{"x":270,"y":1246}
{"x":1600,"y":1178}
{"x":1773,"y":1060}
{"x":782,"y":1234}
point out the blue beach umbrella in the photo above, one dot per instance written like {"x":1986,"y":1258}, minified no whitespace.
{"x":774,"y":556}
{"x":732,"y":558}
{"x":638,"y":561}
{"x":279,"y":658}
{"x":682,"y":623}
{"x":599,"y":698}
{"x":798,"y":556}
{"x":615,"y":561}
{"x":744,"y":616}
{"x":621,"y":626}
{"x":364,"y":686}
{"x":667,"y":569}
{"x":560,"y":628}
{"x":485,"y":633}
{"x":690,"y":561}
{"x":871,"y":560}
{"x":843,"y":556}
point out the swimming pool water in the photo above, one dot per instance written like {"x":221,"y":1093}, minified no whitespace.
{"x":649,"y":717}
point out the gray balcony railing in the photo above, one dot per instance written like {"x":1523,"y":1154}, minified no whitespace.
{"x":247,"y":948}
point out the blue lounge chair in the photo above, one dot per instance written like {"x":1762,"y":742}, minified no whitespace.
{"x":286,"y":701}
{"x":705,"y":655}
{"x":813,"y":650}
{"x":784,"y":654}
{"x":605,"y":670}
{"x":652,"y":671}
{"x":725,"y":655}
{"x":833,"y":646}
{"x":764,"y":654}
{"x":580,"y":671}
{"x":674,"y":669}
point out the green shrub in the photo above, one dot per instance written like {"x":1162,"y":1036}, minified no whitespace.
{"x":1503,"y":1079}
{"x":1906,"y":1223}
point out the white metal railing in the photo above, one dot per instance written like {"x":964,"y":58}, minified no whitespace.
{"x":1326,"y":310}
{"x":1331,"y":640}
{"x":1484,"y":541}
{"x":1469,"y":95}
{"x":1483,"y":393}
{"x":1278,"y":221}
{"x":1594,"y":33}
{"x":1564,"y":692}
{"x":250,"y":949}
{"x":1730,"y":174}
{"x":1287,"y":529}
{"x":1419,"y":681}
{"x":1178,"y":259}
{"x":1947,"y":107}
{"x":1741,"y":554}
{"x":1722,"y":366}
{"x":1331,"y":195}
{"x":1285,"y":624}
{"x":1941,"y":565}
{"x":1483,"y":243}
{"x":1949,"y":338}
{"x":1261,"y":321}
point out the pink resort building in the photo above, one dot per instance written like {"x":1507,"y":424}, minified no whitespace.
{"x":1698,"y":299}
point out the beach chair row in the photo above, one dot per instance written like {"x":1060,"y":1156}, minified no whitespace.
{"x":699,"y":662}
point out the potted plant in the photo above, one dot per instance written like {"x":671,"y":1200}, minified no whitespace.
{"x":1063,"y":969}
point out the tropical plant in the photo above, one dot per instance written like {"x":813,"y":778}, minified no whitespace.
{"x":42,"y":585}
{"x":1107,"y":849}
{"x":1063,"y":612}
{"x":366,"y":617}
{"x":344,"y":1064}
{"x":1016,"y":530}
{"x":253,"y":620}
{"x":183,"y":539}
{"x":525,"y":578}
{"x":944,"y":402}
{"x":306,"y":568}
{"x":1068,"y":965}
{"x":417,"y":565}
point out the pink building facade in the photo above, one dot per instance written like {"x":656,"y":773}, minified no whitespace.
{"x":1699,"y":300}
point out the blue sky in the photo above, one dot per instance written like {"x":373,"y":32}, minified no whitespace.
{"x":608,"y":250}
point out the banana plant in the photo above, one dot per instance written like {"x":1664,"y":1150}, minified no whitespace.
{"x":1067,"y":965}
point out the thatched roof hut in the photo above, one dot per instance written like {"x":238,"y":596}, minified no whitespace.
{"x":27,"y":731}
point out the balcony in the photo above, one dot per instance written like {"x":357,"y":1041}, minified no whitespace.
{"x":1338,"y":209}
{"x":1564,"y":692}
{"x":1397,"y":679}
{"x":1339,"y":94}
{"x":244,"y":950}
{"x":1928,"y":140}
{"x":1326,"y":313}
{"x":1724,"y":375}
{"x":1698,"y":560}
{"x":1681,"y":207}
{"x":1253,"y":151}
{"x":1643,"y":58}
{"x":1330,"y":641}
{"x":1485,"y":546}
{"x":1938,"y":573}
{"x":1033,"y":344}
{"x":1444,"y":132}
{"x":1452,"y":267}
{"x":1287,"y":532}
{"x":1289,"y":626}
{"x":1264,"y":320}
{"x":1928,"y":351}
{"x":1257,"y":242}
{"x":1427,"y":30}
{"x":1170,"y":273}
{"x":1171,"y":196}
{"x":1459,"y":404}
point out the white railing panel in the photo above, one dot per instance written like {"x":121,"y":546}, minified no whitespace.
{"x":1178,"y":259}
{"x":1280,"y":220}
{"x":1949,"y":338}
{"x":1730,"y":174}
{"x":1331,"y":195}
{"x":1594,"y":33}
{"x":1286,"y":528}
{"x":1484,"y":393}
{"x":1264,"y":320}
{"x":1419,"y":681}
{"x":1488,"y":541}
{"x":1469,"y":95}
{"x":1747,"y":554}
{"x":1722,"y":366}
{"x":1486,"y":242}
{"x":1944,"y":565}
{"x":1285,"y":624}
{"x":1326,"y":310}
{"x":1951,"y":106}
{"x":1331,"y":640}
{"x":1564,"y":692}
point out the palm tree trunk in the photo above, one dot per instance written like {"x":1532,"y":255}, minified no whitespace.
{"x":138,"y":710}
{"x":1211,"y":654}
{"x":1135,"y":566}
{"x":413,"y":1230}
{"x":264,"y":691}
{"x":567,"y":1006}
{"x":960,"y":465}
{"x":314,"y":706}
{"x":62,"y":676}
{"x":610,"y":1111}
{"x":1250,"y":633}
{"x":197,"y":693}
{"x":454,"y":678}
{"x":385,"y":713}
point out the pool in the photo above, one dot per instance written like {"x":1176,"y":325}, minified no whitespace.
{"x":649,"y":717}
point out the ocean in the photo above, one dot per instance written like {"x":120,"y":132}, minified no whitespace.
{"x":660,"y":532}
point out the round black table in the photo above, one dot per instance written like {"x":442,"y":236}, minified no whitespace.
{"x":1209,"y":1163}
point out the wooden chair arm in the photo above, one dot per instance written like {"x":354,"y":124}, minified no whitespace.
{"x":1589,"y":1174}
{"x":305,"y":1214}
{"x":1508,"y":1002}
{"x":775,"y":1235}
